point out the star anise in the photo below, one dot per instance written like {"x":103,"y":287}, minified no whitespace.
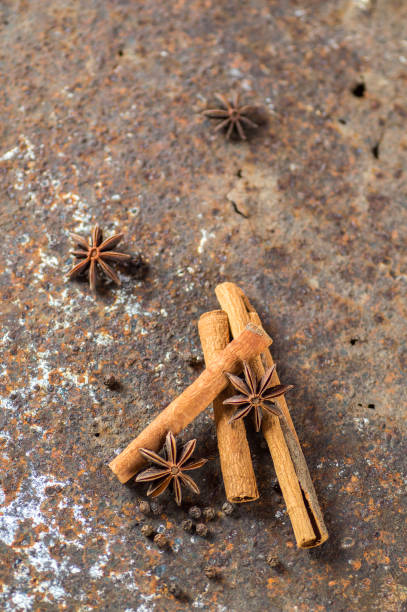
{"x":258,"y":395}
{"x":96,"y":254}
{"x":233,"y":116}
{"x":170,"y":469}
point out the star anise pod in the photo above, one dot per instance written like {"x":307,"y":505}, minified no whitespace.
{"x":258,"y":395}
{"x":96,"y":254}
{"x":232,"y":116}
{"x":170,"y":469}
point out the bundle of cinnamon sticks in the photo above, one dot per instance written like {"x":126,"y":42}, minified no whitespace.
{"x":250,"y":343}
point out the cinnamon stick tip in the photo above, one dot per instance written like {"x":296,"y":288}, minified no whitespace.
{"x":257,"y":330}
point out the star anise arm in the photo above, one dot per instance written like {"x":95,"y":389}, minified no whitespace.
{"x":80,"y":254}
{"x":92,"y":275}
{"x":155,"y":490}
{"x":187,"y":480}
{"x":276,"y":391}
{"x":151,"y":474}
{"x":194,"y":465}
{"x":97,"y":236}
{"x":266,"y":378}
{"x":240,"y":129}
{"x":248,"y":121}
{"x":186,"y":452}
{"x":111,"y":242}
{"x":152,"y":456}
{"x":80,"y":241}
{"x":80,"y":267}
{"x":114,"y":256}
{"x":216,"y":113}
{"x":240,"y":414}
{"x":177,"y":491}
{"x":230,"y":130}
{"x":235,"y":99}
{"x":223,"y":124}
{"x":238,"y":383}
{"x":273,"y":409}
{"x":257,"y":418}
{"x":223,"y":101}
{"x":109,"y":271}
{"x":237,"y":400}
{"x":171,"y":448}
{"x":249,"y":377}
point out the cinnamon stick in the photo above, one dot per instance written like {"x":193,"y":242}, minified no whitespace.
{"x":289,"y":462}
{"x":234,"y":453}
{"x":192,"y":401}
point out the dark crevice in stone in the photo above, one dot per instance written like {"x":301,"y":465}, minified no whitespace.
{"x":239,"y":212}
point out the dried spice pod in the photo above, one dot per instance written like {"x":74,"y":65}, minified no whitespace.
{"x":96,"y":254}
{"x":171,"y":469}
{"x":234,"y":119}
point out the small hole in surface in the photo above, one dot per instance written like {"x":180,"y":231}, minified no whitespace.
{"x":359,"y":89}
{"x":343,"y":121}
{"x":353,"y":341}
{"x":120,"y":52}
{"x":375,"y":151}
{"x":371,"y":406}
{"x":97,"y":435}
{"x":239,"y":173}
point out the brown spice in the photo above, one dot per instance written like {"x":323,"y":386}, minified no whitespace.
{"x":289,"y":462}
{"x":195,"y":512}
{"x":209,"y":513}
{"x":232,"y":116}
{"x":227,"y":508}
{"x":255,"y":394}
{"x":187,"y":525}
{"x":170,"y":469}
{"x":144,"y":507}
{"x":234,"y":453}
{"x":94,"y":255}
{"x":201,"y":530}
{"x":194,"y":399}
{"x":147,"y":530}
{"x":211,"y":572}
{"x":161,"y":540}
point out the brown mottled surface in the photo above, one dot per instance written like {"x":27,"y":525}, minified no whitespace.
{"x":100,"y":120}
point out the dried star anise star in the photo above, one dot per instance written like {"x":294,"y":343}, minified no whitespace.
{"x":233,"y":116}
{"x":258,"y":395}
{"x":171,"y":469}
{"x":96,"y":254}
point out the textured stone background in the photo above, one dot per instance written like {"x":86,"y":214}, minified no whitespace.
{"x":100,"y":120}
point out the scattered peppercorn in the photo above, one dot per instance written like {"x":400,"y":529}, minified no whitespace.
{"x":209,"y":513}
{"x":227,"y":508}
{"x":195,"y":512}
{"x":144,"y":507}
{"x":110,"y":381}
{"x":161,"y":540}
{"x":274,"y":562}
{"x":211,"y":572}
{"x":157,"y":508}
{"x":201,"y":530}
{"x":175,"y":590}
{"x":147,"y":531}
{"x":187,"y":525}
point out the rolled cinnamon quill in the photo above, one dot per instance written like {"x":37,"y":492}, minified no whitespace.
{"x":289,"y":462}
{"x":183,"y":410}
{"x":234,"y":452}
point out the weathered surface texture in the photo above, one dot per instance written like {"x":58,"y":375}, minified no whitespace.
{"x":99,"y":108}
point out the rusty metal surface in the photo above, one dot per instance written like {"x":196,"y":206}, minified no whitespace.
{"x":100,"y":122}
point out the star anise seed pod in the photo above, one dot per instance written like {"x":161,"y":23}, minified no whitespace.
{"x":232,"y":116}
{"x":170,"y":469}
{"x":259,"y":395}
{"x":96,"y":254}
